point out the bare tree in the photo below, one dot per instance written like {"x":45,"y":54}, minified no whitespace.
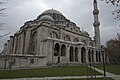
{"x":113,"y":49}
{"x":114,"y":3}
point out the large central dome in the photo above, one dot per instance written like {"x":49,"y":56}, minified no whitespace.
{"x":55,"y":15}
{"x":52,"y":11}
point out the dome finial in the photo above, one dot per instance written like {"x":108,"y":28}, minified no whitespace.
{"x":82,"y":29}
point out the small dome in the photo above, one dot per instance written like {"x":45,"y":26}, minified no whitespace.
{"x":17,"y":32}
{"x":46,"y":18}
{"x":85,"y":33}
{"x":52,"y":11}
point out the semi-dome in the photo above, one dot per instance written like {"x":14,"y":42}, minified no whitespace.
{"x":52,"y":11}
{"x":46,"y":18}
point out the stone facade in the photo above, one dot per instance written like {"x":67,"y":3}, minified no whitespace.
{"x":53,"y":39}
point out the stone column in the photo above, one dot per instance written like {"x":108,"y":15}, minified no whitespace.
{"x":68,"y":53}
{"x":101,"y":56}
{"x":95,"y":56}
{"x":8,"y":47}
{"x":11,"y":44}
{"x":73,"y":54}
{"x":79,"y":55}
{"x":87,"y":56}
{"x":22,"y":43}
{"x":15,"y":44}
{"x":27,"y":41}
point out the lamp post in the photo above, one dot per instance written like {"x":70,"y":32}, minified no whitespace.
{"x":103,"y":57}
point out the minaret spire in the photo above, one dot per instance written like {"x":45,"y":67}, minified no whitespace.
{"x":96,"y":24}
{"x":95,"y":1}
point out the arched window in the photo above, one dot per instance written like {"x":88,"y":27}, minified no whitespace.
{"x":63,"y":50}
{"x":90,"y":44}
{"x":68,"y":38}
{"x":56,"y":49}
{"x":55,"y":35}
{"x":64,"y":38}
{"x":50,"y":35}
{"x":76,"y":40}
{"x":34,"y":43}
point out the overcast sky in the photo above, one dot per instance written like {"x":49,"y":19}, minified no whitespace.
{"x":78,"y":11}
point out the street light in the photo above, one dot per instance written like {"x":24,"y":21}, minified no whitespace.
{"x":103,"y":57}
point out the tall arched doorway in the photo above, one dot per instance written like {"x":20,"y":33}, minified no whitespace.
{"x":92,"y":56}
{"x":76,"y":54}
{"x":83,"y":55}
{"x":63,"y":50}
{"x":56,"y":51}
{"x":89,"y":56}
{"x":99,"y":56}
{"x":71,"y":54}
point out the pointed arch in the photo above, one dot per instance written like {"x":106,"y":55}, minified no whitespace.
{"x":90,"y":44}
{"x":76,"y":40}
{"x":71,"y":54}
{"x":92,"y":56}
{"x":76,"y":54}
{"x":55,"y":35}
{"x":83,"y":55}
{"x":50,"y":35}
{"x":99,"y":56}
{"x":56,"y":49}
{"x":63,"y":50}
{"x":68,"y":38}
{"x":34,"y":43}
{"x":89,"y":55}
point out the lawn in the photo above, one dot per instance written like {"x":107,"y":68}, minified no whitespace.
{"x":45,"y":72}
{"x":112,"y":68}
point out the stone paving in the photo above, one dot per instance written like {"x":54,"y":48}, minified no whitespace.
{"x":55,"y":78}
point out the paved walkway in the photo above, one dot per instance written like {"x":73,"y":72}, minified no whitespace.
{"x":115,"y":77}
{"x":55,"y":78}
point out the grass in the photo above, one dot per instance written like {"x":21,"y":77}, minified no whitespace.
{"x":45,"y":72}
{"x":112,"y":68}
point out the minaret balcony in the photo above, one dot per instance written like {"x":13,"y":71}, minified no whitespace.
{"x":96,"y":24}
{"x":96,"y":11}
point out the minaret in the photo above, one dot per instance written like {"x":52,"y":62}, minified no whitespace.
{"x":96,"y":25}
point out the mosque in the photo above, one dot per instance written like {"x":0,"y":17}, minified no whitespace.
{"x":52,"y":39}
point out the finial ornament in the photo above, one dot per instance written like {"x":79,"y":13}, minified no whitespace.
{"x":82,"y":29}
{"x":95,"y":1}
